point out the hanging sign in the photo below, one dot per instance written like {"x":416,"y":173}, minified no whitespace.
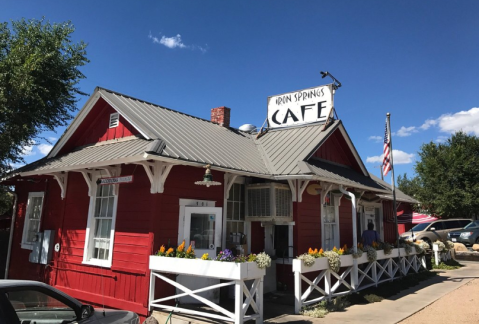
{"x":300,"y":107}
{"x":115,"y":180}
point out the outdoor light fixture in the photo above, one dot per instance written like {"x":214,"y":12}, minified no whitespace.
{"x":208,"y":178}
{"x":336,"y":83}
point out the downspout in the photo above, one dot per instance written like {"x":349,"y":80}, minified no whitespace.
{"x":354,"y":274}
{"x":10,"y":239}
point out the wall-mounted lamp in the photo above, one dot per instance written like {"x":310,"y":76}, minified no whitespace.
{"x":208,"y":178}
{"x":336,"y":83}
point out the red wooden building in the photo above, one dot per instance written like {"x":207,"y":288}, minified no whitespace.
{"x":278,"y":193}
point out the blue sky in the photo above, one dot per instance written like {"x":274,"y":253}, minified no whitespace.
{"x":417,"y":60}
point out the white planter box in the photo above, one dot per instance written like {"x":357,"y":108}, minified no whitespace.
{"x":207,"y":268}
{"x":346,"y":260}
{"x":319,"y":264}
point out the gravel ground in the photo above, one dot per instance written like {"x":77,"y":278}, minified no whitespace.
{"x":459,"y":306}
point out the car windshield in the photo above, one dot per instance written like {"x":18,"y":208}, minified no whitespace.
{"x":472,"y":225}
{"x":420,"y":227}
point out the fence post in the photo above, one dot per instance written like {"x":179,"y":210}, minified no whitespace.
{"x":239,"y":302}
{"x":152,"y":289}
{"x":297,"y":292}
{"x":354,"y":275}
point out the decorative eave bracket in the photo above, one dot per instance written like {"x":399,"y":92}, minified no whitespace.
{"x":62,"y":179}
{"x":229,"y":180}
{"x":327,"y":188}
{"x":297,"y":188}
{"x":89,"y":176}
{"x":157,"y":172}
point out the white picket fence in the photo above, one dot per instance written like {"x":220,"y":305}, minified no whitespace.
{"x":354,"y":275}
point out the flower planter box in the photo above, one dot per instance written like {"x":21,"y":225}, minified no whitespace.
{"x":346,"y":260}
{"x":207,"y":268}
{"x":319,"y":264}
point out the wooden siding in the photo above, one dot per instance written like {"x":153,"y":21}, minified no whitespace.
{"x":95,"y":128}
{"x":336,"y":150}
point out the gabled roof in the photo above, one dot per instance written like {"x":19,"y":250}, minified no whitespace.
{"x":400,"y":196}
{"x":186,"y":139}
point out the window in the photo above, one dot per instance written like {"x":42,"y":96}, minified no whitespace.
{"x":330,"y":222}
{"x":101,"y":226}
{"x":235,"y":214}
{"x":32,"y":306}
{"x":32,"y":219}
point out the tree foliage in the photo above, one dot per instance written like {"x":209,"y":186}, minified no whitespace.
{"x":39,"y":74}
{"x":448,"y":177}
{"x":410,"y":186}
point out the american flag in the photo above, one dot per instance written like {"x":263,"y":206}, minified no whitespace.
{"x":386,"y":161}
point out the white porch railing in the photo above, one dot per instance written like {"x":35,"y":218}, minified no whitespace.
{"x":354,"y":275}
{"x":237,"y":273}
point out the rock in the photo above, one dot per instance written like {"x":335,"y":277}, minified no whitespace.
{"x":475,"y":247}
{"x":459,"y":247}
{"x":150,"y":320}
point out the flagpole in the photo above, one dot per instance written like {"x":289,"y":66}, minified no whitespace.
{"x":392,"y":177}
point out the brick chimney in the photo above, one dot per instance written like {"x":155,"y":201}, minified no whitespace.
{"x":221,"y":116}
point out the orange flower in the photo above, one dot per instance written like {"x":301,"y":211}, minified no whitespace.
{"x":341,"y":252}
{"x":188,"y":251}
{"x":345,"y":247}
{"x":321,"y":251}
{"x":335,"y":249}
{"x":181,"y":247}
{"x":170,"y":250}
{"x":310,"y":251}
{"x":162,"y":249}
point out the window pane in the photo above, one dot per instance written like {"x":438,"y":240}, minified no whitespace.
{"x":104,"y":206}
{"x":242,"y":211}
{"x":236,"y":211}
{"x":236,"y":191}
{"x":202,"y":230}
{"x":31,"y":305}
{"x":111,"y":200}
{"x":229,"y":211}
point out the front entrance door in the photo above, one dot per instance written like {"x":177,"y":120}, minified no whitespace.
{"x":372,"y":214}
{"x":202,"y":228}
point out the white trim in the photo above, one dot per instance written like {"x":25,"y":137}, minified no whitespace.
{"x":24,"y":244}
{"x":381,"y":216}
{"x":157,"y":172}
{"x":74,"y":124}
{"x":115,"y":118}
{"x":337,"y":199}
{"x":88,"y":247}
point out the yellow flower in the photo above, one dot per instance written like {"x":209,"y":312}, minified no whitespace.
{"x":335,"y":249}
{"x":204,"y":256}
{"x":341,"y":252}
{"x":162,"y":249}
{"x":181,"y":247}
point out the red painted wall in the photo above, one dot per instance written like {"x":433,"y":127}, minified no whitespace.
{"x":144,"y":222}
{"x":335,"y":149}
{"x":95,"y":128}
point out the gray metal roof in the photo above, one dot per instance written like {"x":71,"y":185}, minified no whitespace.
{"x":84,"y":156}
{"x":190,"y":138}
{"x":400,"y":196}
{"x":283,"y":148}
{"x":338,"y":174}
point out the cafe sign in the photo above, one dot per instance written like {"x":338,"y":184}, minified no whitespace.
{"x":300,"y":107}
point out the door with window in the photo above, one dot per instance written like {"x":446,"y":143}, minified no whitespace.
{"x":372,"y":214}
{"x":202,"y":228}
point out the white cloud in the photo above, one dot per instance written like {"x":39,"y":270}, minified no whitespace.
{"x":428,"y":123}
{"x":406,"y":131}
{"x":52,"y":139}
{"x":377,"y":139}
{"x":399,"y":157}
{"x":466,"y":121}
{"x":176,"y":42}
{"x":27,"y":150}
{"x":45,"y":148}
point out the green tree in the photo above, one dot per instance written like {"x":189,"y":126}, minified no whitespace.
{"x":39,"y":74}
{"x":410,"y":186}
{"x":448,"y":176}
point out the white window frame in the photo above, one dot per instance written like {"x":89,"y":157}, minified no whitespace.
{"x":25,"y":244}
{"x":88,"y":248}
{"x":337,"y":200}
